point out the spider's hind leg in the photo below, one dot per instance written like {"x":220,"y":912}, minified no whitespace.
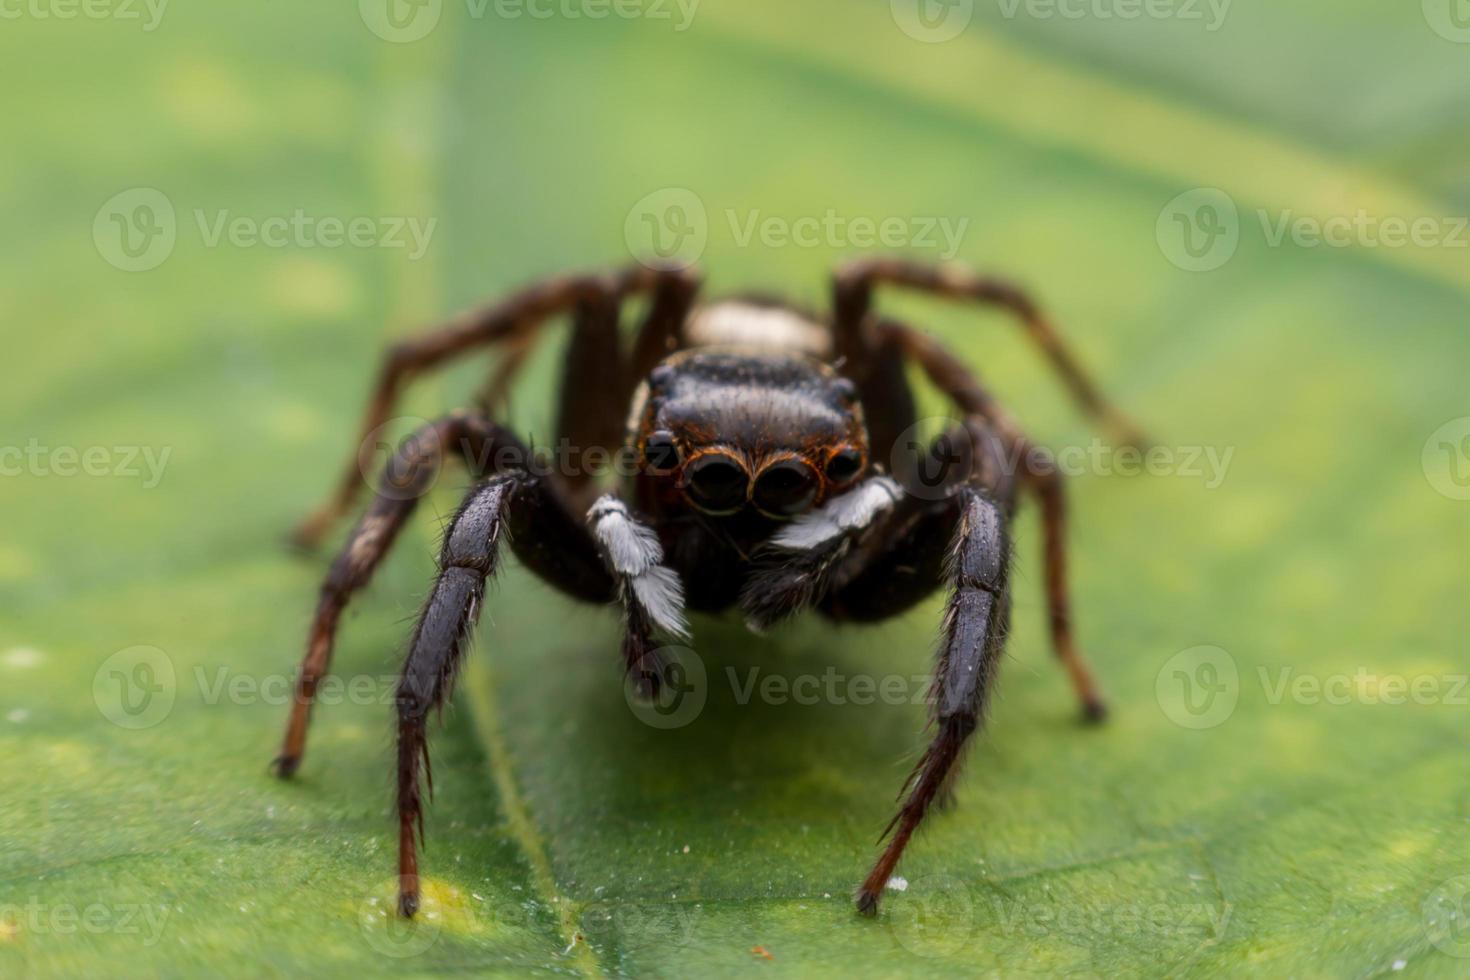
{"x":853,"y":291}
{"x":514,"y":321}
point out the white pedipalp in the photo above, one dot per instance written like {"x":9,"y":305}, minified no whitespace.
{"x":634,"y":552}
{"x":855,"y":509}
{"x":662,"y":596}
{"x":631,"y":547}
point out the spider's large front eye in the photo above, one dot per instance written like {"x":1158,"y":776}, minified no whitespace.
{"x":786,"y":489}
{"x":717,"y":483}
{"x":844,"y":465}
{"x":660,"y":455}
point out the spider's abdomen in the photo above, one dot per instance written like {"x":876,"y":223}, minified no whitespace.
{"x":757,"y":325}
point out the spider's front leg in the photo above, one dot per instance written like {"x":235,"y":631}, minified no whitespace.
{"x":975,"y":624}
{"x":513,"y":505}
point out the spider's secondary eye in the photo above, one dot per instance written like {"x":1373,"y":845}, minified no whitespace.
{"x":844,"y":465}
{"x":660,"y":455}
{"x":717,"y":483}
{"x":786,"y":489}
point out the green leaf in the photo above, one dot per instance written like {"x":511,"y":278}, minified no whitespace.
{"x":149,"y":627}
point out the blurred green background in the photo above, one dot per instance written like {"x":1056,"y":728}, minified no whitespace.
{"x":1262,"y":828}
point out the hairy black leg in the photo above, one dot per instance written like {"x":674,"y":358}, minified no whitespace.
{"x":1039,"y":474}
{"x":975,"y":625}
{"x":468,"y":558}
{"x":406,"y":478}
{"x":855,"y":283}
{"x":651,"y":594}
{"x":514,"y":319}
{"x":548,"y":541}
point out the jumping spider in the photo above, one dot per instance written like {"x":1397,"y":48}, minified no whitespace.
{"x":761,"y":436}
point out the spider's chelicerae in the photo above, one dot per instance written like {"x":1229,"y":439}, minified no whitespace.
{"x":763,"y":439}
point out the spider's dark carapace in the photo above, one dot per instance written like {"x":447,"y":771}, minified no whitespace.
{"x":772,"y":471}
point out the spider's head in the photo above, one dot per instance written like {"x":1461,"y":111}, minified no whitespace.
{"x":730,"y":430}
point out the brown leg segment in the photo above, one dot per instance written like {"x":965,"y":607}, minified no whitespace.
{"x":513,"y":318}
{"x":662,"y":329}
{"x":1042,"y":477}
{"x":855,"y":283}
